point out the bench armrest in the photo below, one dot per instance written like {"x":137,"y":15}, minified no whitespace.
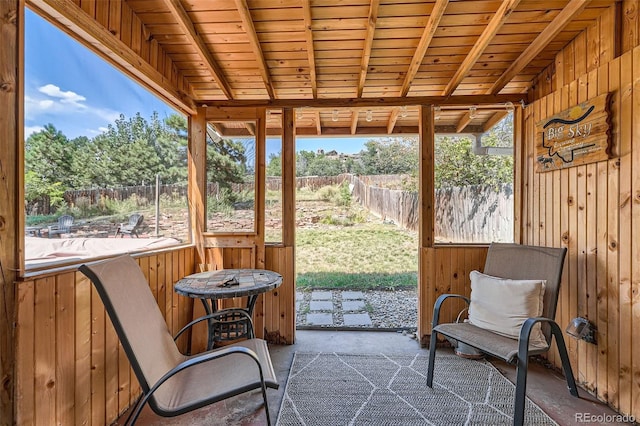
{"x":438,"y":304}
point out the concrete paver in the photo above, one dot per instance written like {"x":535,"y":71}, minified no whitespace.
{"x":351,"y":295}
{"x":321,"y":305}
{"x":357,"y":319}
{"x":353,"y":305}
{"x":321,"y":295}
{"x":320,"y":319}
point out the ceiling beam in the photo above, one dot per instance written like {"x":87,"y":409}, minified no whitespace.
{"x":354,"y":121}
{"x":98,"y":38}
{"x":573,"y":9}
{"x":368,"y":42}
{"x":463,"y":101}
{"x":483,"y":41}
{"x":308,"y":33}
{"x":427,"y":35}
{"x":363,"y":131}
{"x":464,"y":122}
{"x":185,"y":23}
{"x":250,"y":31}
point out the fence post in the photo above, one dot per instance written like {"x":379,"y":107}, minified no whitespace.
{"x":157,"y":204}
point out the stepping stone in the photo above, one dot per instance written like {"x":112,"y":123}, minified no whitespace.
{"x":298,"y":304}
{"x":319,"y":319}
{"x":299,"y":295}
{"x":351,"y":295}
{"x":321,"y":305}
{"x":357,"y":319}
{"x":321,"y":295}
{"x":353,"y":305}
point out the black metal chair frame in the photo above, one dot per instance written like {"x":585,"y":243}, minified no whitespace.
{"x":148,"y":389}
{"x":521,"y":360}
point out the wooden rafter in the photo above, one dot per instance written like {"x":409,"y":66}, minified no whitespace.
{"x":71,"y":16}
{"x":427,"y":35}
{"x":354,"y":121}
{"x":306,"y":7}
{"x":495,"y":119}
{"x":483,"y":41}
{"x":393,"y":118}
{"x":550,"y":32}
{"x":368,"y":42}
{"x":185,"y":23}
{"x":464,"y":122}
{"x":250,"y":31}
{"x":318,"y":123}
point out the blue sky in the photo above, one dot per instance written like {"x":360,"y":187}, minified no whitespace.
{"x":80,"y":94}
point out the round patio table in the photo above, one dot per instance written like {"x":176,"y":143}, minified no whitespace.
{"x":211,"y":286}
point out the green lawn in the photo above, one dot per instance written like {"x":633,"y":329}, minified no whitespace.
{"x":366,"y":256}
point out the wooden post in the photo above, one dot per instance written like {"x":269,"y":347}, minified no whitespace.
{"x":519,"y":159}
{"x":427,"y":177}
{"x":287,"y":325}
{"x":288,"y":178}
{"x":197,"y":165}
{"x":261,"y":184}
{"x":426,"y":277}
{"x":11,"y":191}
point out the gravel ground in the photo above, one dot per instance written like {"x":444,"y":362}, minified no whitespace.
{"x":395,"y":310}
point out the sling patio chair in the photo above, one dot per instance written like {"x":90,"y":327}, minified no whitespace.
{"x":131,"y":227}
{"x":511,"y":312}
{"x":173,"y":383}
{"x":62,"y":227}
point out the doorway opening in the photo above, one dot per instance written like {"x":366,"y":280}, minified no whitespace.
{"x":356,"y":265}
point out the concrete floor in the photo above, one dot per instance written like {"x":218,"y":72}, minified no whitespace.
{"x":545,"y":387}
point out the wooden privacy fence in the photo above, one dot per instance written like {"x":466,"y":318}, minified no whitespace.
{"x":479,"y":213}
{"x":474,"y":214}
{"x":95,"y":195}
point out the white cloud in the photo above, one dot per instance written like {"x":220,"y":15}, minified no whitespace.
{"x":51,"y":104}
{"x":97,"y":131}
{"x":29,"y":130}
{"x":65,"y":97}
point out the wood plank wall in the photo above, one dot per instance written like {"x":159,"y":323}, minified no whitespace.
{"x":71,"y":368}
{"x":274,"y":316}
{"x":445,"y":269}
{"x":594,"y":210}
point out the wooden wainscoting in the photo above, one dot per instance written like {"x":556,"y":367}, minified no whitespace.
{"x":279,"y":306}
{"x":70,"y":367}
{"x":445,"y":269}
{"x":274,"y":317}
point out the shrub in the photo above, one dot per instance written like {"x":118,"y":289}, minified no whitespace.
{"x":343,"y":198}
{"x":327,"y":193}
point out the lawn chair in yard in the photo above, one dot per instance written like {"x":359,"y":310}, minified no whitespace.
{"x":511,"y":312}
{"x":173,"y":383}
{"x":62,"y":227}
{"x":131,"y":227}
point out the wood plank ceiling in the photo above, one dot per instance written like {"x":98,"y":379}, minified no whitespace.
{"x":361,"y":66}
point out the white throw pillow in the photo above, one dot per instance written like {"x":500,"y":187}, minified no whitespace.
{"x":502,"y":305}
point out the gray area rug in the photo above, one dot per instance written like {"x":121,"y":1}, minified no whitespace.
{"x":377,"y":389}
